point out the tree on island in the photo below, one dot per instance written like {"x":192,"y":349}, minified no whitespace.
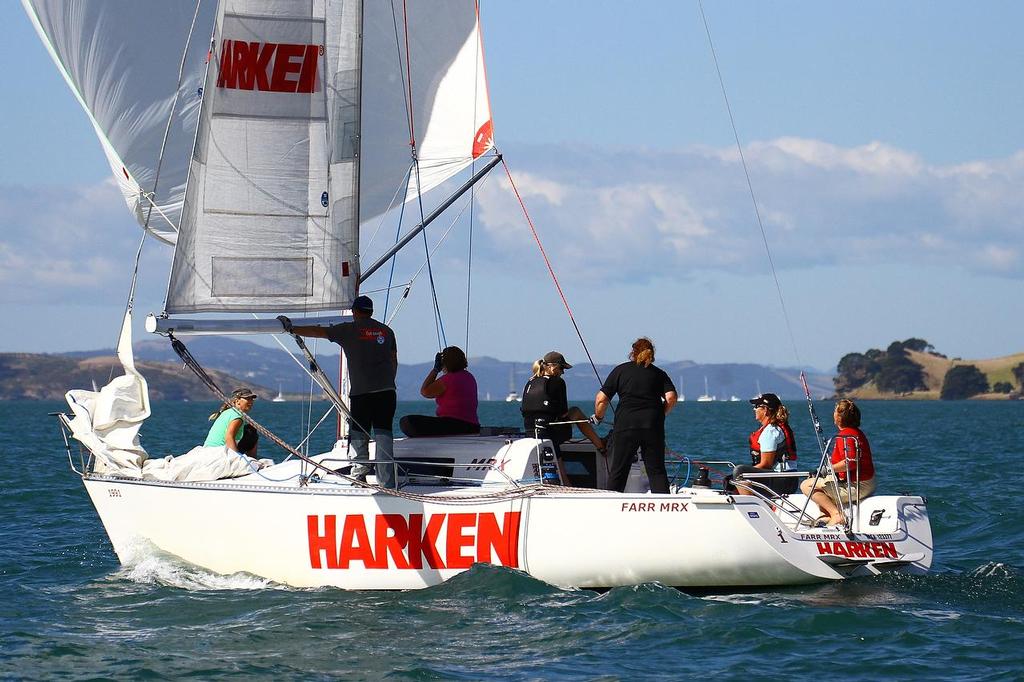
{"x":897,"y":373}
{"x":1002,"y":387}
{"x":919,"y":345}
{"x":962,"y":382}
{"x":854,"y":370}
{"x":1018,"y":374}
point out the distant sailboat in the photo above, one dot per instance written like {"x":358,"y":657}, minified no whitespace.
{"x":279,"y":398}
{"x":706,"y":398}
{"x":682,"y":395}
{"x":513,"y":395}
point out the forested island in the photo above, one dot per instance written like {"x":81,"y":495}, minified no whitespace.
{"x":913,"y":369}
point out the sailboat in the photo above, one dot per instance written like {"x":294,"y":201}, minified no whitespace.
{"x":279,"y":398}
{"x":513,"y":394}
{"x":258,"y":155}
{"x":706,"y":397}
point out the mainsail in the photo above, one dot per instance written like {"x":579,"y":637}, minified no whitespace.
{"x":311,"y":116}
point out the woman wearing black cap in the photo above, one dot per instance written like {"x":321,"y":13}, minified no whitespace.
{"x":230,"y":429}
{"x":545,"y":400}
{"x":769,"y":445}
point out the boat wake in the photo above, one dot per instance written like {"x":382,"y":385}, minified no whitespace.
{"x":993,"y":569}
{"x":148,"y":565}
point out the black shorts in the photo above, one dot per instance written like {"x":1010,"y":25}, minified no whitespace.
{"x":373,"y":411}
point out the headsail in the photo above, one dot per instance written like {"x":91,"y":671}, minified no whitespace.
{"x":121,"y":60}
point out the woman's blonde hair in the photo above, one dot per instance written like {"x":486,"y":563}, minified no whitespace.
{"x":538,"y":367}
{"x":849,"y":414}
{"x":782,"y":414}
{"x":218,"y":411}
{"x":643,"y":352}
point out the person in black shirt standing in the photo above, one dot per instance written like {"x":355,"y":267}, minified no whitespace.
{"x":646,"y":396}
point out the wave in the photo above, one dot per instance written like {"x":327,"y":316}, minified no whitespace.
{"x":146,"y":564}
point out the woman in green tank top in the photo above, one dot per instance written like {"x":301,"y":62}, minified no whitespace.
{"x":230,"y":429}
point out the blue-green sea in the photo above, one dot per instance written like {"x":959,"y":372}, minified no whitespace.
{"x":68,"y":610}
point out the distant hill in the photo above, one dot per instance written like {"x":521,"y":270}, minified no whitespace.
{"x":45,"y":376}
{"x":30,"y":376}
{"x":913,"y":370}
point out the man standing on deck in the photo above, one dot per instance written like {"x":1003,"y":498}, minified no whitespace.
{"x":372,"y":355}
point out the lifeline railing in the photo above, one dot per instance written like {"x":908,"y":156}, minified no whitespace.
{"x":852,"y":501}
{"x":769,"y":495}
{"x":328,"y":466}
{"x":65,"y":428}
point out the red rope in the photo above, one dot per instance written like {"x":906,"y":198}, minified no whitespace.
{"x":551,"y":270}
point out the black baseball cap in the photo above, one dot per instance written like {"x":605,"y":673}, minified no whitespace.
{"x":363,"y":303}
{"x":769,"y":400}
{"x":556,"y":358}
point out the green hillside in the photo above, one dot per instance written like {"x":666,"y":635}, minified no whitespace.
{"x":913,"y":370}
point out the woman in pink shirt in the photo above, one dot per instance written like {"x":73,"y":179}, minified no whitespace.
{"x":455,"y":394}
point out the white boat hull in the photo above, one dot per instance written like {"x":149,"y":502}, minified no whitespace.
{"x":357,"y":538}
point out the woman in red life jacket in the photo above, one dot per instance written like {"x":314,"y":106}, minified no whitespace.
{"x":853,"y":472}
{"x":769,"y":444}
{"x":782,"y":421}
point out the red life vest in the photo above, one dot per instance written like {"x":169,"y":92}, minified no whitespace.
{"x":786,"y":451}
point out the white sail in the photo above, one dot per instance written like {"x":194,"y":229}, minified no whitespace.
{"x":294,"y":147}
{"x":423,"y":78}
{"x":451,"y":117}
{"x":121,"y":60}
{"x":269,"y":218}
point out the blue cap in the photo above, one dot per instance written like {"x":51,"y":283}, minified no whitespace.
{"x":363,"y":303}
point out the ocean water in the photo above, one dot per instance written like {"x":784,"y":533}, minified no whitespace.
{"x":69,"y":610}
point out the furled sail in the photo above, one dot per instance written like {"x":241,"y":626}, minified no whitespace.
{"x":121,"y":60}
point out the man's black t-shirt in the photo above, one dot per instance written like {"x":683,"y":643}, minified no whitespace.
{"x":641,"y":391}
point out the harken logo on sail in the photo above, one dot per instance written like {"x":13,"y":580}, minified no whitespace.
{"x":398,"y":541}
{"x":268,"y":67}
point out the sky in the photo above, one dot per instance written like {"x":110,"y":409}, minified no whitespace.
{"x":885,"y":149}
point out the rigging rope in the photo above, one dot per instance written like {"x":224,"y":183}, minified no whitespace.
{"x":767,"y":249}
{"x":442,"y":340}
{"x":551,"y":271}
{"x":516,"y":492}
{"x":398,"y":235}
{"x":440,"y":242}
{"x":160,"y":161}
{"x":750,"y":186}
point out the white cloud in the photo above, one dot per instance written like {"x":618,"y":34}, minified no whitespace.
{"x":635,"y":215}
{"x":64,"y":244}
